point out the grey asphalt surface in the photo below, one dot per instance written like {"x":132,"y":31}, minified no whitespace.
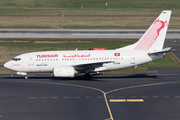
{"x":43,"y":97}
{"x":79,"y":33}
{"x":175,"y":44}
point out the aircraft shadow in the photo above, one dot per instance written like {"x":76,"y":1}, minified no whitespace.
{"x":95,"y":77}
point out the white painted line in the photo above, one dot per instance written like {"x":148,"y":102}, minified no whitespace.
{"x":43,"y":97}
{"x":32,"y":97}
{"x":109,"y":30}
{"x":106,"y":34}
{"x":132,"y":96}
{"x":176,"y":96}
{"x":99,"y":97}
{"x":143,"y":96}
{"x":121,"y":96}
{"x":88,"y":97}
{"x":65,"y":97}
{"x":76,"y":97}
{"x":54,"y":97}
{"x":155,"y":96}
{"x":110,"y":96}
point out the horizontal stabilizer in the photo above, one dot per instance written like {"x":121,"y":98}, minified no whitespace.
{"x":168,"y":49}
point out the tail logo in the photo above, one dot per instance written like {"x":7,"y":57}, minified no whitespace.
{"x":162,"y":26}
{"x":150,"y":37}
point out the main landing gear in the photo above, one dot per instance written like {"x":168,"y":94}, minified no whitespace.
{"x":87,"y":76}
{"x":26,"y":77}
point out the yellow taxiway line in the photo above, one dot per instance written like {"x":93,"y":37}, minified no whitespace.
{"x":126,"y":100}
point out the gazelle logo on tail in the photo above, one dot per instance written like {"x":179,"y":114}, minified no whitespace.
{"x":150,"y":37}
{"x":153,"y":39}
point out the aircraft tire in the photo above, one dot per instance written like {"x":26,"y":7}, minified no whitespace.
{"x":87,"y":76}
{"x":26,"y":77}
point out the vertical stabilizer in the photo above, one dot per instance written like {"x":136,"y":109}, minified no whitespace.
{"x":153,"y":39}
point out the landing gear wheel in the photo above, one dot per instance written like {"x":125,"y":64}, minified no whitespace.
{"x":26,"y":77}
{"x":87,"y":76}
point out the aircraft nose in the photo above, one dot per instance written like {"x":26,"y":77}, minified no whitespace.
{"x":7,"y":65}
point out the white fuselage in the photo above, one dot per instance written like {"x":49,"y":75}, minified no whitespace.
{"x":82,"y":61}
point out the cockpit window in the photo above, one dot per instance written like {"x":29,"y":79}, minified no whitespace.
{"x":16,"y":59}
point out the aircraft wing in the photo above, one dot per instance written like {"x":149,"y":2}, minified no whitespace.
{"x":91,"y":66}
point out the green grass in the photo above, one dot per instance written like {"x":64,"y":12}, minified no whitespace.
{"x":67,"y":44}
{"x":165,"y":4}
{"x":83,"y":18}
{"x":24,"y":27}
{"x":119,"y":14}
{"x":100,"y":27}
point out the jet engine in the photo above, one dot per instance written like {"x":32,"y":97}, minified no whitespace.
{"x":64,"y":71}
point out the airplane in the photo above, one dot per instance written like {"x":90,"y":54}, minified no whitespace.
{"x":69,"y":63}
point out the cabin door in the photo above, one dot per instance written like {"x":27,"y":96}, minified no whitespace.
{"x":132,"y":59}
{"x":30,"y":60}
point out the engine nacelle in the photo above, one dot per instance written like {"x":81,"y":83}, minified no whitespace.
{"x":64,"y":71}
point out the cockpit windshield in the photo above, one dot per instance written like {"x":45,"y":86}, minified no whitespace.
{"x":16,"y":59}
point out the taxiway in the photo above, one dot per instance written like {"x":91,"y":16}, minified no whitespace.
{"x":137,"y":97}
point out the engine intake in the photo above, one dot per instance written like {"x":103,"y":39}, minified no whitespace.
{"x":64,"y":71}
